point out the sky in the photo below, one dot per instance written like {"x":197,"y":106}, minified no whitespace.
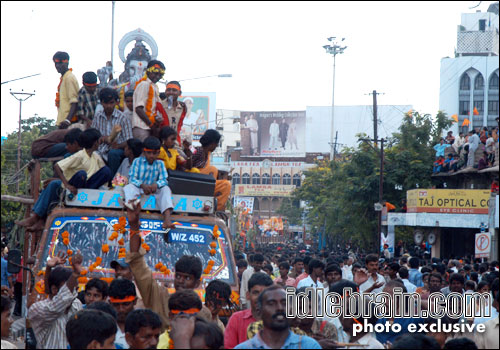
{"x":274,"y":50}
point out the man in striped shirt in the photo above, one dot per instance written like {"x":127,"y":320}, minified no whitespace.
{"x":49,"y":317}
{"x":148,"y":175}
{"x":115,"y":128}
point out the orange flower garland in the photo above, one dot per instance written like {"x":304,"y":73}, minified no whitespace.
{"x":121,"y":241}
{"x":146,"y":247}
{"x":40,"y":287}
{"x":105,"y":248}
{"x":69,"y":252}
{"x":41,"y":273}
{"x":213,"y":244}
{"x":162,"y":268}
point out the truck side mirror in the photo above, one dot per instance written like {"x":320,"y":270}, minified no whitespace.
{"x":14,"y":261}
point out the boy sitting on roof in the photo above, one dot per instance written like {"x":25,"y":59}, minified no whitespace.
{"x":148,"y":175}
{"x":84,"y":169}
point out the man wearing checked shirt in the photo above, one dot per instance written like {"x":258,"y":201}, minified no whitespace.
{"x":148,"y":175}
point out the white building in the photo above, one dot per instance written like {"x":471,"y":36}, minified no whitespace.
{"x":349,"y":121}
{"x":470,"y":79}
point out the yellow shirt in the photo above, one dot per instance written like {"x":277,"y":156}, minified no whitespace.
{"x":171,"y":161}
{"x":68,"y":94}
{"x":164,"y":340}
{"x":81,"y":161}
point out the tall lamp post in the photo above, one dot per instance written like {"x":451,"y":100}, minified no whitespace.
{"x":21,"y":97}
{"x":334,"y":48}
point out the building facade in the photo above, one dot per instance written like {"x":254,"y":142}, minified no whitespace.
{"x":469,"y":81}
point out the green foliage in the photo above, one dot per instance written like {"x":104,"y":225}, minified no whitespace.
{"x":341,"y":195}
{"x":32,"y":128}
{"x":291,"y":210}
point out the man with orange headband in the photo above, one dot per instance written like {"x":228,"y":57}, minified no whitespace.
{"x":67,"y":91}
{"x":123,"y":298}
{"x":146,"y":96}
{"x":87,"y":100}
{"x":175,"y":110}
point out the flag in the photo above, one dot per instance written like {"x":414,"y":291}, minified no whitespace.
{"x":475,"y":112}
{"x":455,"y":118}
{"x":390,"y":206}
{"x":466,"y":122}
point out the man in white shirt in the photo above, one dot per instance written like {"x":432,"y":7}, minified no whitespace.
{"x":347,"y":269}
{"x":369,"y":280}
{"x":256,"y":263}
{"x":316,"y":270}
{"x":473,"y":145}
{"x":403,"y":274}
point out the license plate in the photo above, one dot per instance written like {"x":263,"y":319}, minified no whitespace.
{"x":187,"y":237}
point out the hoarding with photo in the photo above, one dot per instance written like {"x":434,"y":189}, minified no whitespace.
{"x":200,"y":114}
{"x":273,"y":134}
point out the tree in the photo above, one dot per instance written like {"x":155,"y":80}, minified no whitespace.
{"x":341,"y":194}
{"x":32,"y":129}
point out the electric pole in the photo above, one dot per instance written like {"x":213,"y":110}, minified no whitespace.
{"x":375,"y":116}
{"x":21,"y":100}
{"x":379,"y":205}
{"x":335,"y":145}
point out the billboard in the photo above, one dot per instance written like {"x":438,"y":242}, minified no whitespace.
{"x":245,"y":203}
{"x":448,"y":201}
{"x":200,"y":114}
{"x":264,"y":190}
{"x":273,"y":134}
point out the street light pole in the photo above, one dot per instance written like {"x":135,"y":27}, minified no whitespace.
{"x":208,"y":76}
{"x":21,"y":100}
{"x":333,"y":49}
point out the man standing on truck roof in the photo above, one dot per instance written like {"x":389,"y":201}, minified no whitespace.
{"x":146,"y":96}
{"x":49,"y":317}
{"x":67,"y":91}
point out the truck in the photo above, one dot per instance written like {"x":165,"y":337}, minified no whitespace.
{"x":87,"y":221}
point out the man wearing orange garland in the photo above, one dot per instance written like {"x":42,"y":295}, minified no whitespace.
{"x":67,"y":91}
{"x":145,"y":119}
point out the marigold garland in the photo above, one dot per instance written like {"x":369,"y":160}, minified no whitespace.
{"x":69,"y":252}
{"x":83,"y":272}
{"x":105,"y":248}
{"x":66,"y":241}
{"x":213,"y":244}
{"x":40,"y":287}
{"x":121,"y":241}
{"x":82,"y":280}
{"x":41,"y":273}
{"x":146,"y":247}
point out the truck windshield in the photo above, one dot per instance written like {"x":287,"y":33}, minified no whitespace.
{"x":88,"y":234}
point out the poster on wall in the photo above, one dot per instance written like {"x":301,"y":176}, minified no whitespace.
{"x":244,"y":202}
{"x":273,"y":134}
{"x":200,"y":113}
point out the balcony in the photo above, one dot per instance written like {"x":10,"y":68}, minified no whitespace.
{"x":477,"y":43}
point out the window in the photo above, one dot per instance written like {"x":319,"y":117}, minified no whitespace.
{"x":276,"y":179}
{"x":245,"y":179}
{"x":494,"y":81}
{"x":493,"y":107}
{"x":287,"y":179}
{"x":256,"y":179}
{"x":465,"y":82}
{"x":482,"y":25}
{"x":479,"y":105}
{"x":464,"y":107}
{"x":266,"y":179}
{"x":479,"y":82}
{"x":236,"y":179}
{"x":297,"y":180}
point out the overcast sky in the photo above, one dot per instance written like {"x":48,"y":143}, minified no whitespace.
{"x":274,"y":50}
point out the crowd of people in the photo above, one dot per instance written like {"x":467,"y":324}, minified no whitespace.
{"x":135,"y":311}
{"x":457,"y":153}
{"x":104,"y":146}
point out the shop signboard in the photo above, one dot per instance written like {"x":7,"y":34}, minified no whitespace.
{"x":264,"y":190}
{"x":448,"y":201}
